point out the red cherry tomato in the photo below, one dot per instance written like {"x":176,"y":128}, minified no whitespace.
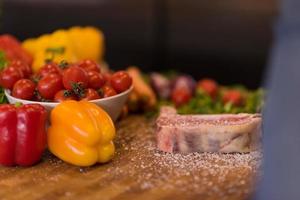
{"x":209,"y":86}
{"x":23,"y":66}
{"x":107,"y":91}
{"x":89,"y":65}
{"x":24,"y":89}
{"x":64,"y":95}
{"x":9,"y":76}
{"x":49,"y":68}
{"x":180,"y":96}
{"x":49,"y":85}
{"x":12,"y":68}
{"x":90,"y":94}
{"x":233,"y":96}
{"x":121,"y":81}
{"x":96,"y":80}
{"x":75,"y":75}
{"x":107,"y":77}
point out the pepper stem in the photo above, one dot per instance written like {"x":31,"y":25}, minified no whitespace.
{"x":18,"y":104}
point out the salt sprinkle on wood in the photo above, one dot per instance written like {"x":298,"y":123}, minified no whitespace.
{"x":215,"y":173}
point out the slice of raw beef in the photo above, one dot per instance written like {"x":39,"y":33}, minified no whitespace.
{"x":207,"y":133}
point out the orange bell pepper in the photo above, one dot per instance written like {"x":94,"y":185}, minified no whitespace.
{"x":81,"y":133}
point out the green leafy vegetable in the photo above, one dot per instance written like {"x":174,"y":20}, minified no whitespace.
{"x":203,"y":104}
{"x":251,"y":101}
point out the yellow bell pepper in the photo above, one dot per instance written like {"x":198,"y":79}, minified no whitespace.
{"x":81,"y":133}
{"x":76,"y":44}
{"x":88,"y":42}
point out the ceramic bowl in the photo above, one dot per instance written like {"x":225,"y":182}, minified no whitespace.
{"x":112,"y":105}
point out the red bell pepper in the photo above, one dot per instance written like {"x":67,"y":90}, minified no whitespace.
{"x":14,"y":50}
{"x":22,"y":134}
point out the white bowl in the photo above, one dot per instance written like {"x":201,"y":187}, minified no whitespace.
{"x":112,"y":105}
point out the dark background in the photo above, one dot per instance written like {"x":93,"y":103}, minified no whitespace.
{"x":227,"y":40}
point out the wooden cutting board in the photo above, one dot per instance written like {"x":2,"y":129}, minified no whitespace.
{"x":138,"y":171}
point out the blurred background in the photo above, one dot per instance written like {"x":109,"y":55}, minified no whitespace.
{"x":226,"y":40}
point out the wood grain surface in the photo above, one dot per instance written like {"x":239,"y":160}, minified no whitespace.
{"x":138,"y":171}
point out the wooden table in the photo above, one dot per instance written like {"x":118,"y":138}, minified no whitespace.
{"x":138,"y":171}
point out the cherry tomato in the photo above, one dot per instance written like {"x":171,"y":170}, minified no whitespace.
{"x":23,"y":66}
{"x":12,"y":68}
{"x":9,"y":76}
{"x":121,"y":81}
{"x":96,"y":80}
{"x":64,"y":95}
{"x":24,"y":89}
{"x":49,"y":68}
{"x":49,"y":85}
{"x":89,"y":65}
{"x":75,"y":75}
{"x":107,"y":76}
{"x":107,"y":91}
{"x":233,"y":96}
{"x":180,"y":96}
{"x":209,"y":86}
{"x":90,"y":94}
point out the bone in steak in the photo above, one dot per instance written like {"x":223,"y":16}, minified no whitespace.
{"x":207,"y":133}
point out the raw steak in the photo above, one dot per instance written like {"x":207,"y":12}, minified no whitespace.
{"x":207,"y":133}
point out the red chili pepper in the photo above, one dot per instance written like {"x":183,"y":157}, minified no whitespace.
{"x":22,"y":134}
